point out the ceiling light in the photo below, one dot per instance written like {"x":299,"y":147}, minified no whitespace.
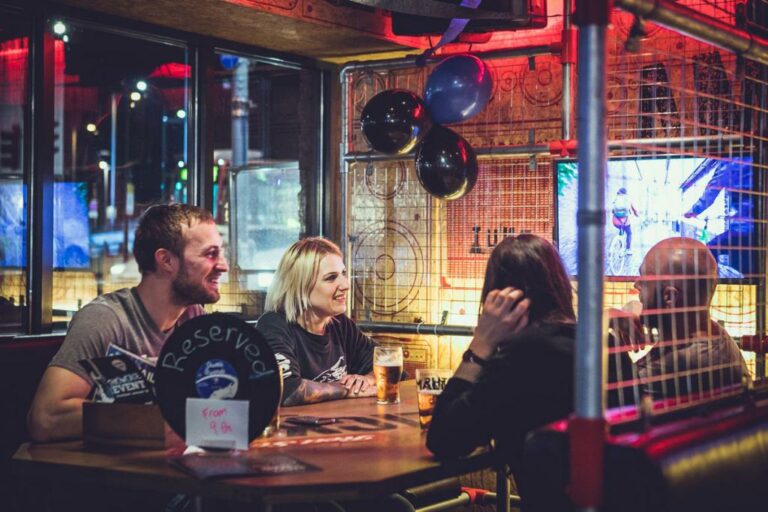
{"x":59,"y":28}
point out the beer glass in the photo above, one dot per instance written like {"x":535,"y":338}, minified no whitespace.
{"x":430,"y":382}
{"x":387,"y":368}
{"x":274,"y":425}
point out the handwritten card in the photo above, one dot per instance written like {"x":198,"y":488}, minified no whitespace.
{"x":217,"y":423}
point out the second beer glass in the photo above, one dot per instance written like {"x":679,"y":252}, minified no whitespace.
{"x":430,"y":382}
{"x":387,"y":368}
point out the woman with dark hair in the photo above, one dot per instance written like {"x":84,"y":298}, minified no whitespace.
{"x":517,"y":373}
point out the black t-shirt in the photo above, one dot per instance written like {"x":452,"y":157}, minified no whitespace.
{"x":525,"y":385}
{"x":342,"y":350}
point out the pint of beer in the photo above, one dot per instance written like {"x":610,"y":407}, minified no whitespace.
{"x":430,"y":382}
{"x":387,"y":368}
{"x":274,"y":425}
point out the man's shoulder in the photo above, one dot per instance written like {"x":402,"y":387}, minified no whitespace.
{"x":717,"y":340}
{"x":117,"y":302}
{"x":117,"y":298}
{"x":191,"y":312}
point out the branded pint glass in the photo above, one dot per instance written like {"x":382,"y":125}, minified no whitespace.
{"x":387,"y":368}
{"x":430,"y":382}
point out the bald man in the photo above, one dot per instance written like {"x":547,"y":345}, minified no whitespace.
{"x":692,"y":352}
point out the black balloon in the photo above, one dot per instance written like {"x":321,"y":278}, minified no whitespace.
{"x":395,"y":121}
{"x":446,"y":164}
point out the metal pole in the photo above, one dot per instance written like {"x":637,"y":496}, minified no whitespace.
{"x":461,"y":501}
{"x":344,"y":169}
{"x":112,"y":173}
{"x":566,"y":58}
{"x":699,"y":26}
{"x":240,"y":110}
{"x":688,"y":140}
{"x":416,"y":328}
{"x":480,"y":152}
{"x":39,"y":174}
{"x":502,"y":490}
{"x":410,"y":61}
{"x":591,"y":220}
{"x":544,"y":148}
{"x":587,"y":428}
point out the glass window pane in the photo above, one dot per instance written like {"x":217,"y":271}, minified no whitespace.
{"x":121,"y":145}
{"x":14,"y":58}
{"x":266,"y":156}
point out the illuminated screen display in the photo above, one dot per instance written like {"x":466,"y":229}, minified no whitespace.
{"x":71,"y":231}
{"x":648,"y":200}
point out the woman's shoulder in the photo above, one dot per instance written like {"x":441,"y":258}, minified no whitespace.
{"x":552,"y":329}
{"x":271,"y":319}
{"x":557,"y":337}
{"x":341,"y":324}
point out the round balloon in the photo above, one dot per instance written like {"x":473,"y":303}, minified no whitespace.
{"x":395,"y":121}
{"x":446,"y":164}
{"x":458,"y":88}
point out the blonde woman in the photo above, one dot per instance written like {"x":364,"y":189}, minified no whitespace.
{"x":322,"y":353}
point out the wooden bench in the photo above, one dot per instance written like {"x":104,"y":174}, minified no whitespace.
{"x":23,"y":359}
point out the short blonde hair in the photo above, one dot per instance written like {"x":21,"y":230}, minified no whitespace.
{"x":296,"y":275}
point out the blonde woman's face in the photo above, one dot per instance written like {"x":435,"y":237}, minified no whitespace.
{"x":328,"y":297}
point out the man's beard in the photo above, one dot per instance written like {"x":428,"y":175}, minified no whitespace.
{"x":188,"y":291}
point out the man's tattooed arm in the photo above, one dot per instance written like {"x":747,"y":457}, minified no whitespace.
{"x":311,"y":392}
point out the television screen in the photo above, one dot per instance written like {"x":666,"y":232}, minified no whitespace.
{"x":71,"y":231}
{"x":13,"y":233}
{"x":648,"y":200}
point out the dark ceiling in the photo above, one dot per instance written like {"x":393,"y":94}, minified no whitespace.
{"x":311,"y":28}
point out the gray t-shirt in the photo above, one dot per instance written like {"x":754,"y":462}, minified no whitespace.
{"x":707,"y":361}
{"x":120,"y":318}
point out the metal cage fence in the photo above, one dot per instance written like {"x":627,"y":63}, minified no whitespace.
{"x":677,"y":108}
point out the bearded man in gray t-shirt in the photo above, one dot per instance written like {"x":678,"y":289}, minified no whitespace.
{"x":180,"y":256}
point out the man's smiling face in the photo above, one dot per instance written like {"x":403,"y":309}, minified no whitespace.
{"x":201,"y":265}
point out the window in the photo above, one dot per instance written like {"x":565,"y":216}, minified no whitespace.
{"x":266,"y":159}
{"x":14,"y":62}
{"x":120,"y":145}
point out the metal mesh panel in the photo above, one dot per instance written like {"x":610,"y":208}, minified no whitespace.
{"x":414,"y":258}
{"x":681,"y":100}
{"x":673,"y":101}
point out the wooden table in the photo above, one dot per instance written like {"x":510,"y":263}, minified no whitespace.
{"x":373,"y":450}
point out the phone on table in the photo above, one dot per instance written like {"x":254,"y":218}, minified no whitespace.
{"x":311,"y":420}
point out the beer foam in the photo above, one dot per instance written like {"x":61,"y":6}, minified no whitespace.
{"x":389,"y":364}
{"x":430,"y":391}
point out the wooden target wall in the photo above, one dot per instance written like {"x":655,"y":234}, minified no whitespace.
{"x":414,"y":258}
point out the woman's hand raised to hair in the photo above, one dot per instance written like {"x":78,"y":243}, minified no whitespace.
{"x":505,"y":312}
